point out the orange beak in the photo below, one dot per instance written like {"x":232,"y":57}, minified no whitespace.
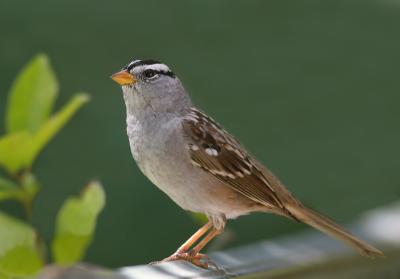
{"x":123,"y":78}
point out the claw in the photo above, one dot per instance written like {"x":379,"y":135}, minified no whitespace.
{"x":197,"y":259}
{"x":193,"y":256}
{"x":206,"y":260}
{"x":199,"y":263}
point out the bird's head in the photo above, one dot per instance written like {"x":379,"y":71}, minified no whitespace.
{"x":150,"y":84}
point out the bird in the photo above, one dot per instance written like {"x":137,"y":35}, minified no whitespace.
{"x":201,"y":166}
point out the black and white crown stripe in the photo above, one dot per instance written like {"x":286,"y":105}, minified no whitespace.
{"x":149,"y":64}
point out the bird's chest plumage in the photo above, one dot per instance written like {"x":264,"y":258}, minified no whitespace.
{"x":160,"y":150}
{"x":154,"y":146}
{"x":147,"y":141}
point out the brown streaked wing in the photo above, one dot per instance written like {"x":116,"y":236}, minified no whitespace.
{"x":217,"y":152}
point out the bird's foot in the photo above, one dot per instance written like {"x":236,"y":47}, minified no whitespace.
{"x":197,"y":259}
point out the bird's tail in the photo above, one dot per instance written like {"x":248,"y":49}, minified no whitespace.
{"x":329,"y":227}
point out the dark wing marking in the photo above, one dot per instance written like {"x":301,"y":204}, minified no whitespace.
{"x":217,"y":152}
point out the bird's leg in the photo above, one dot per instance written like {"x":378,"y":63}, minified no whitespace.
{"x":185,"y":246}
{"x":213,"y":233}
{"x":181,"y":253}
{"x":198,"y":259}
{"x":193,"y":255}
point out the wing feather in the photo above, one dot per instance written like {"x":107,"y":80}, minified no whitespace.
{"x":217,"y":152}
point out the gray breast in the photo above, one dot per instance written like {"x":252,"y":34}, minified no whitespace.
{"x":159,"y":149}
{"x":161,"y":154}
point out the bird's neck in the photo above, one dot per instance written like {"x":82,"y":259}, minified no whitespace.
{"x":143,"y":108}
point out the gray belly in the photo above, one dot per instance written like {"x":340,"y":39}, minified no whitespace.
{"x":162,"y":156}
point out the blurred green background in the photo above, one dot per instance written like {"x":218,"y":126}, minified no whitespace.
{"x":311,"y":87}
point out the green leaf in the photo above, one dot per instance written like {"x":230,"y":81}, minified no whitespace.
{"x":9,"y":190}
{"x":6,"y":184}
{"x":19,"y":254}
{"x":13,"y":150}
{"x":76,"y":223}
{"x":19,"y":150}
{"x":49,"y":129}
{"x":30,"y":187}
{"x":21,"y":261}
{"x":32,"y":96}
{"x":26,"y":193}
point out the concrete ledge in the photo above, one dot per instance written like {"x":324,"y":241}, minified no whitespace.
{"x":305,"y":255}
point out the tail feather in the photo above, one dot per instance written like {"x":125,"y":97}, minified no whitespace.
{"x":329,"y":227}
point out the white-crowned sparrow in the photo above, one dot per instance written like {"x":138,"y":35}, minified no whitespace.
{"x":201,"y":166}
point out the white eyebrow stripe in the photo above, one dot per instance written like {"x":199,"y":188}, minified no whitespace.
{"x":156,"y":67}
{"x":133,"y":62}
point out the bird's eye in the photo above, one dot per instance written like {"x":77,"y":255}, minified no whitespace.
{"x":149,"y":74}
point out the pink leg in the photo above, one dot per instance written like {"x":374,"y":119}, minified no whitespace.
{"x":193,"y":255}
{"x":213,"y":233}
{"x":181,"y":253}
{"x":185,"y":246}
